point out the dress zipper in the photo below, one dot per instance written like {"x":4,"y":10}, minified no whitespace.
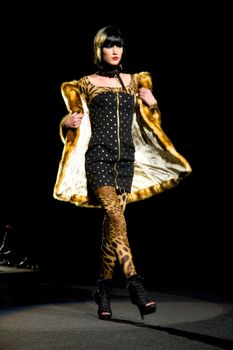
{"x":118,"y":139}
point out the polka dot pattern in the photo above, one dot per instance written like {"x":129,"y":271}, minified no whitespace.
{"x":110,"y":155}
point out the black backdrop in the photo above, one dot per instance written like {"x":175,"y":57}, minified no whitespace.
{"x":178,"y":237}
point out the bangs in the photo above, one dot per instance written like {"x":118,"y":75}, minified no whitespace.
{"x":113,"y":41}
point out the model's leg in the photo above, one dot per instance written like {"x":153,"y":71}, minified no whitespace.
{"x":114,"y":245}
{"x":115,"y":242}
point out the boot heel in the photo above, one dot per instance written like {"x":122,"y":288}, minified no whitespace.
{"x":139,"y":296}
{"x":146,"y":309}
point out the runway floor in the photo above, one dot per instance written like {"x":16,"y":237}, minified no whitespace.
{"x":42,"y":313}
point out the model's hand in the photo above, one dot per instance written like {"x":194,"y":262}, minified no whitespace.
{"x":73,"y":120}
{"x":147,"y":96}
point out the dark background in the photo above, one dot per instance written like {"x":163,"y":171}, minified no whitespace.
{"x":181,"y":237}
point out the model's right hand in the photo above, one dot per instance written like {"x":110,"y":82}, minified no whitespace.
{"x":73,"y":120}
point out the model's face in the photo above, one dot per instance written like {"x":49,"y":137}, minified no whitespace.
{"x":112,"y":55}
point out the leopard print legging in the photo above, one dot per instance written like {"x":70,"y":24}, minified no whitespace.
{"x":115,"y":244}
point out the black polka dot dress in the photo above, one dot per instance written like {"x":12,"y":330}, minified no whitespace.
{"x":109,"y":160}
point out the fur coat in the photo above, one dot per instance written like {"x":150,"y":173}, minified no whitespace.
{"x":157,"y":167}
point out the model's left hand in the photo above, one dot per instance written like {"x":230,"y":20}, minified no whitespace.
{"x":147,"y":96}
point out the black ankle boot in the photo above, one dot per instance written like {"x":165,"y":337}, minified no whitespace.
{"x":139,"y":296}
{"x":102,"y":298}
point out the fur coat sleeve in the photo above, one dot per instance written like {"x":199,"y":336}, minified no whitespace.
{"x":157,"y":167}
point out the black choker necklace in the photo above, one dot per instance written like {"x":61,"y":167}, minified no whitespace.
{"x":109,"y":71}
